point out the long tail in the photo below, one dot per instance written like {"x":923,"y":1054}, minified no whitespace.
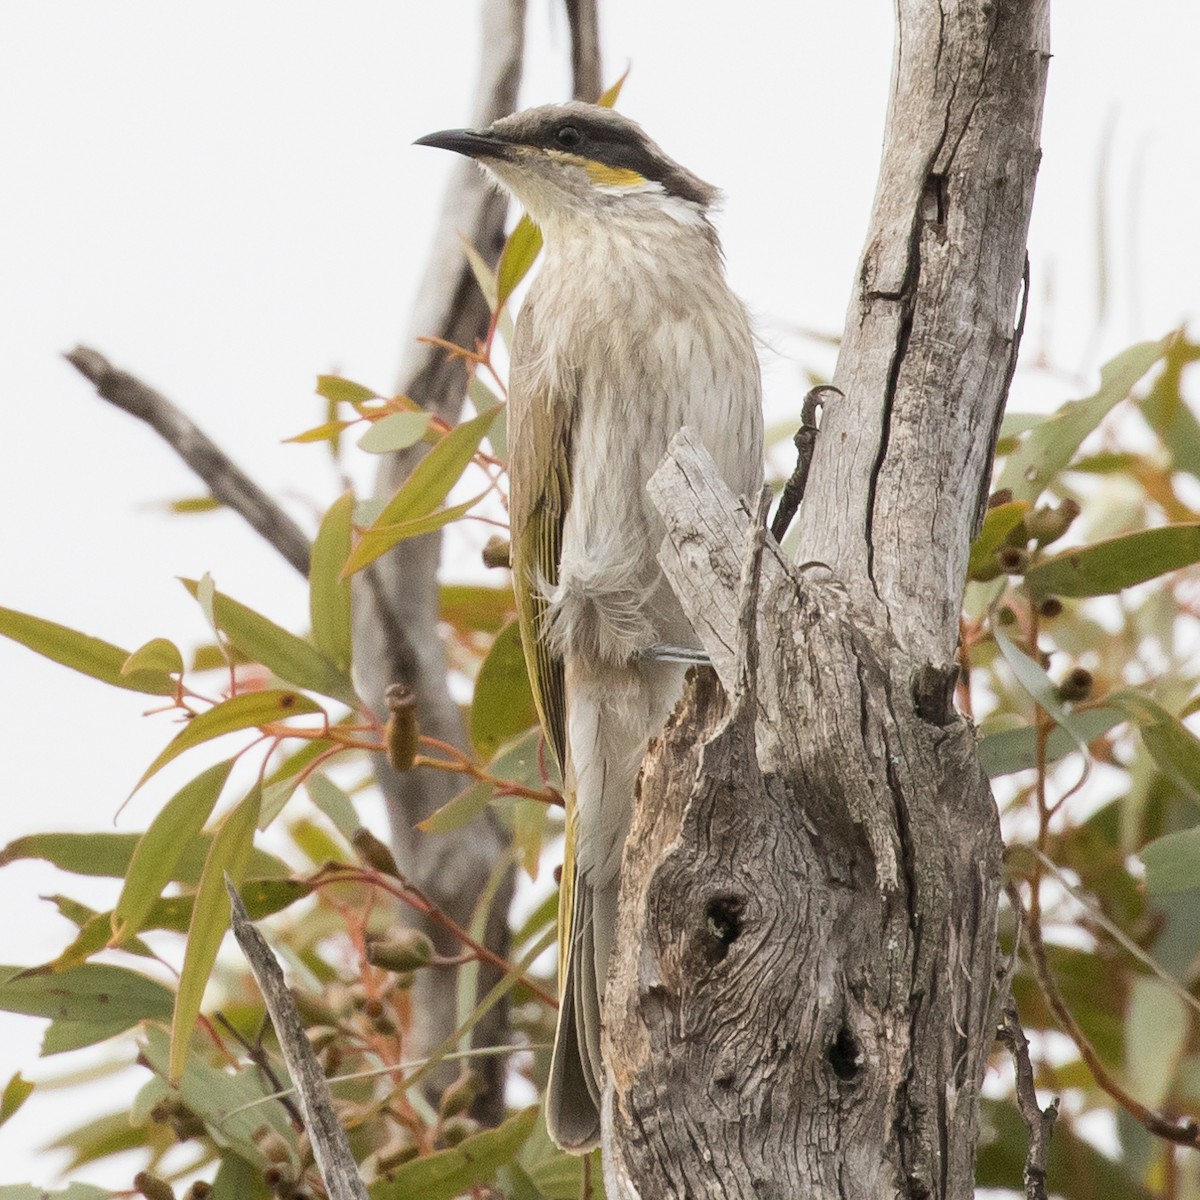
{"x":576,"y":1070}
{"x":613,"y":712}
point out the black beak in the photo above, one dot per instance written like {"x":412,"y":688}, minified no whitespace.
{"x":468,"y":142}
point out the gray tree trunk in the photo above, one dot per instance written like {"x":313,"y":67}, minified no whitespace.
{"x":801,"y":1004}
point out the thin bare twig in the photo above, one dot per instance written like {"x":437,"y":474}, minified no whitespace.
{"x":1039,"y":1120}
{"x":1185,"y":1131}
{"x":585,"y":49}
{"x":331,"y":1147}
{"x":224,"y":479}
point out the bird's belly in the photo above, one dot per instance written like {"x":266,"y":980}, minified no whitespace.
{"x":612,"y":602}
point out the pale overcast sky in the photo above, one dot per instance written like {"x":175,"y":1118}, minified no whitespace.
{"x":224,"y":199}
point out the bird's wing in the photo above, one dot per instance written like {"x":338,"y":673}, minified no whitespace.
{"x":539,"y":437}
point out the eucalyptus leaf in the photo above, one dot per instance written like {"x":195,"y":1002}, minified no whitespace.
{"x":1116,"y":563}
{"x":228,"y":855}
{"x":329,"y":594}
{"x":87,"y":655}
{"x":1051,"y":445}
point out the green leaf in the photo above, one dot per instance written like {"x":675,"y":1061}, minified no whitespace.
{"x":519,"y":254}
{"x":434,"y":476}
{"x":158,"y":654}
{"x":1157,"y":1028}
{"x":1051,"y":445}
{"x":1116,"y":563}
{"x":1011,"y":750}
{"x":1041,"y":688}
{"x":108,"y":855}
{"x":1016,"y":423}
{"x":485,"y":400}
{"x":334,"y":803}
{"x":329,"y":431}
{"x":396,"y":431}
{"x":1173,"y":862}
{"x":609,"y":97}
{"x":281,"y":784}
{"x":288,"y":656}
{"x":379,"y":539}
{"x":87,"y":1004}
{"x":263,"y":897}
{"x":503,"y":703}
{"x":246,"y":711}
{"x":516,"y":1184}
{"x":210,"y":919}
{"x":475,"y":608}
{"x":16,"y":1092}
{"x":236,"y":1179}
{"x":220,"y":1099}
{"x":344,"y":391}
{"x":459,"y":811}
{"x":1169,"y":414}
{"x":523,"y":760}
{"x":328,"y":593}
{"x":159,"y":848}
{"x":87,"y":655}
{"x":190,"y":505}
{"x":530,"y":818}
{"x":484,"y":275}
{"x":997,"y":525}
{"x":449,"y":1173}
{"x":1173,"y":746}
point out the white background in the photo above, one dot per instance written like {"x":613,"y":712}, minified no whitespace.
{"x":223,"y":198}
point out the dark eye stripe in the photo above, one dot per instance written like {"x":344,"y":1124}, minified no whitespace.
{"x":626,"y":150}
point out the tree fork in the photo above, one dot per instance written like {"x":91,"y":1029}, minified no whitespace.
{"x":801,"y":1003}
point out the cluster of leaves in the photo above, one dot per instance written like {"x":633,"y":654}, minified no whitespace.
{"x":218,"y":1087}
{"x":218,"y":1084}
{"x":1081,"y":665}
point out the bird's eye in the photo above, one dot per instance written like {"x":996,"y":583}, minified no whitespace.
{"x":568,"y":135}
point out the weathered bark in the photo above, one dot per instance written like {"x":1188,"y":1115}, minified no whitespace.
{"x":801,"y":1004}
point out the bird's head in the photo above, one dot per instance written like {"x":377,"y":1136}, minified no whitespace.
{"x":571,"y":161}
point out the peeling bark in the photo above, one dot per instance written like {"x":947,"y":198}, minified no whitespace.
{"x":801,"y":1003}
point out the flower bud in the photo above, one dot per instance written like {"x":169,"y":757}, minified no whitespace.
{"x":497,"y":552}
{"x":402,"y":735}
{"x":1076,"y":686}
{"x":152,"y":1187}
{"x":402,"y":950}
{"x":1012,"y":560}
{"x":1046,"y":525}
{"x":375,"y":854}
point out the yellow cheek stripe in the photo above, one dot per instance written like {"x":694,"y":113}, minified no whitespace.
{"x":601,"y":174}
{"x":606,"y":176}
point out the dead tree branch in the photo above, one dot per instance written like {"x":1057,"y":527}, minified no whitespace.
{"x":1039,"y":1120}
{"x":227,"y":483}
{"x":331,"y":1147}
{"x":801,"y":1003}
{"x":585,"y":49}
{"x":396,"y":603}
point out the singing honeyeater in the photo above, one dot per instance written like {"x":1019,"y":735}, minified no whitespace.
{"x":629,"y":333}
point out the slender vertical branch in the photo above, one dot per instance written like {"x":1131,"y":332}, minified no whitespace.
{"x":396,"y":609}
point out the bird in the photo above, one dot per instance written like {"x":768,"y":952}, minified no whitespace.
{"x":629,"y":333}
